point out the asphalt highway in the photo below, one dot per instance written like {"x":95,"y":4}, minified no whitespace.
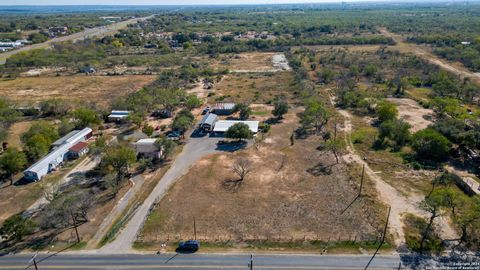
{"x":198,"y":261}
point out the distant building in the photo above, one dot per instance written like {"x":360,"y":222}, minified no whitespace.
{"x":57,"y":31}
{"x":224,"y":108}
{"x":208,"y":122}
{"x":466,"y":43}
{"x":118,"y":116}
{"x":147,"y":148}
{"x":60,"y":152}
{"x":222,"y":126}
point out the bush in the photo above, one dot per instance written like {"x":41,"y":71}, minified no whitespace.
{"x":429,"y":144}
{"x":386,"y":111}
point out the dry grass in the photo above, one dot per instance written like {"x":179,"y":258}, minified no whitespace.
{"x":15,"y":133}
{"x":254,"y":61}
{"x":96,"y":89}
{"x":284,"y":199}
{"x":252,"y":87}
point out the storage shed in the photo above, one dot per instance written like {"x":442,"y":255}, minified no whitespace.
{"x":208,"y":122}
{"x":224,"y":108}
{"x":147,"y":148}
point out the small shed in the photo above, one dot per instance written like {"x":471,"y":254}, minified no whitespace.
{"x":147,"y":148}
{"x":118,"y":116}
{"x":208,"y":122}
{"x":224,"y":108}
{"x":78,"y":150}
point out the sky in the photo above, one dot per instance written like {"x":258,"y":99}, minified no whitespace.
{"x":158,"y":2}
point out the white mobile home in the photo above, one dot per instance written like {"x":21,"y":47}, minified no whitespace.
{"x":118,"y":116}
{"x":147,"y":148}
{"x":59,"y":154}
{"x":222,"y":126}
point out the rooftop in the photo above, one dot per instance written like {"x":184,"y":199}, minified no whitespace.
{"x":224,"y":125}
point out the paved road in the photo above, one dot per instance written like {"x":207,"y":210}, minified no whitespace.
{"x":97,"y":31}
{"x":195,"y":149}
{"x":201,"y":261}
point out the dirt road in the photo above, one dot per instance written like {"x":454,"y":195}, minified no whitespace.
{"x":421,"y":52}
{"x":194,"y":150}
{"x":92,"y":32}
{"x":400,"y":205}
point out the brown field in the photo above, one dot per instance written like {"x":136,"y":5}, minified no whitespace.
{"x":254,"y":61}
{"x":252,"y":87}
{"x":286,"y":198}
{"x":15,"y":132}
{"x":96,"y":89}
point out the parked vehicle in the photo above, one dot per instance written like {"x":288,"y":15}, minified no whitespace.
{"x":189,"y":246}
{"x":174,"y":135}
{"x":206,"y":110}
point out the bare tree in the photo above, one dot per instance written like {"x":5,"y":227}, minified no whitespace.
{"x":242,"y":167}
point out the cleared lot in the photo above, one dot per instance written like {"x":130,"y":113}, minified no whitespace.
{"x":97,"y":89}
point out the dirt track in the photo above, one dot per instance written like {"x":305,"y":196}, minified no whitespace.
{"x":421,"y":52}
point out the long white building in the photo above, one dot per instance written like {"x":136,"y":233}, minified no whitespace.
{"x":60,"y":151}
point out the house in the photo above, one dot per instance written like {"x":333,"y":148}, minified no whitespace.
{"x":57,"y":31}
{"x":147,"y":148}
{"x":73,"y":137}
{"x":118,"y":116}
{"x":208,"y":122}
{"x":78,"y":150}
{"x":61,"y":149}
{"x":224,"y":108}
{"x":222,"y":126}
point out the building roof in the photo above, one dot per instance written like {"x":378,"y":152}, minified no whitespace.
{"x":146,"y":141}
{"x":224,"y":125}
{"x":78,"y":147}
{"x":63,"y":139}
{"x":68,"y":141}
{"x":209,"y":118}
{"x":119,"y":114}
{"x":224,"y":106}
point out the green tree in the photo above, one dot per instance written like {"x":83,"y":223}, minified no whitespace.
{"x":431,"y":145}
{"x":16,"y":227}
{"x":239,"y":131}
{"x":192,"y":101}
{"x":280,"y":108}
{"x":12,"y":162}
{"x":85,"y":117}
{"x":449,"y":106}
{"x":315,"y":115}
{"x":183,"y":121}
{"x":386,"y":111}
{"x":397,"y":131}
{"x":167,"y":146}
{"x":148,"y":130}
{"x":117,"y":159}
{"x":244,"y":110}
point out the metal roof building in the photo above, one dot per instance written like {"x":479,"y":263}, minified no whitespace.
{"x":118,"y":115}
{"x":208,"y":121}
{"x":58,"y":155}
{"x":224,"y":108}
{"x":224,"y":125}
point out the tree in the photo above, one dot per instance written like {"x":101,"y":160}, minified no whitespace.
{"x":85,"y":117}
{"x":449,"y":106}
{"x":117,"y":160}
{"x":16,"y":227}
{"x":12,"y":162}
{"x":244,"y":110}
{"x":280,"y":108}
{"x":167,"y":146}
{"x":386,"y":111}
{"x":55,"y":107}
{"x":430,"y":204}
{"x":192,"y":101}
{"x":183,"y":121}
{"x":67,"y":209}
{"x":239,"y":131}
{"x":148,"y":130}
{"x":431,"y":145}
{"x":315,"y":114}
{"x":397,"y":131}
{"x":242,"y":167}
{"x":37,"y":146}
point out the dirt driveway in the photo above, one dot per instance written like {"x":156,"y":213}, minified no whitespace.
{"x":414,"y":114}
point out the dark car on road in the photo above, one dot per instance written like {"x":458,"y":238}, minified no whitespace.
{"x":188,"y":246}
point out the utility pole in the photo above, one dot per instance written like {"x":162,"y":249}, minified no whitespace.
{"x":32,"y":260}
{"x":250,"y":265}
{"x":75,"y":227}
{"x":361,"y":181}
{"x":35,"y":264}
{"x":383,"y":239}
{"x":194,"y":229}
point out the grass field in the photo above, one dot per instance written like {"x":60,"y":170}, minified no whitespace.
{"x":96,"y":89}
{"x":285,"y":199}
{"x":252,"y":87}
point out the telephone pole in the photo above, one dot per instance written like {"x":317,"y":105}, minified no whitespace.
{"x":381,"y":242}
{"x":250,"y":265}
